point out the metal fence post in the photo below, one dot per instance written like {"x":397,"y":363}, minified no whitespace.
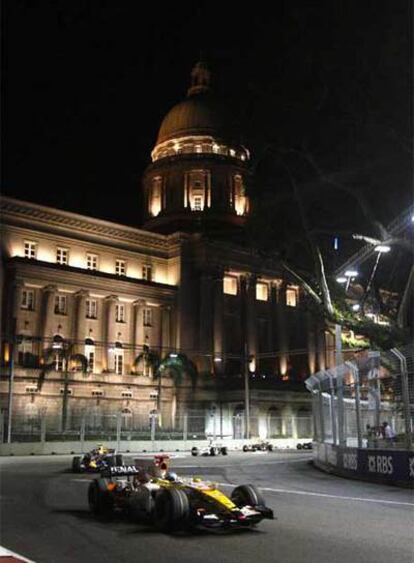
{"x":82,"y":433}
{"x":153,"y":423}
{"x":43,"y":428}
{"x":321,"y":420}
{"x":185,"y":427}
{"x":405,"y":396}
{"x":118,"y":431}
{"x":332,"y":404}
{"x":355,"y":373}
{"x":340,"y":407}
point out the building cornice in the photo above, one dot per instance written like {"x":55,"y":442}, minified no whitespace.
{"x":48,"y":219}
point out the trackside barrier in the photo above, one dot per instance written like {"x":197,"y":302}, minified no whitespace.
{"x":383,"y":466}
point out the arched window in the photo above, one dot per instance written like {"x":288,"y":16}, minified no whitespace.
{"x":241,"y":202}
{"x":126,"y":419}
{"x":197,"y":190}
{"x":155,"y":196}
{"x":274,"y":423}
{"x":238,"y":422}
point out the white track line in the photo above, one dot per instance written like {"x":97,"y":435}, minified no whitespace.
{"x":308,"y":493}
{"x":7,"y":553}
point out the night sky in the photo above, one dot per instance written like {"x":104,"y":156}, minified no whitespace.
{"x":87,"y":83}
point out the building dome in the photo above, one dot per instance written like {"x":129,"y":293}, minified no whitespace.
{"x":199,"y":114}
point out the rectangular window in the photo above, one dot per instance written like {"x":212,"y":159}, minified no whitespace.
{"x":30,"y":249}
{"x":27,"y":299}
{"x":147,"y":272}
{"x":90,"y":356}
{"x":119,"y":361}
{"x":61,"y":302}
{"x":91,"y":309}
{"x":120,"y":313}
{"x":262,"y":292}
{"x":291,"y":297}
{"x":197,"y":203}
{"x":147,"y":317}
{"x":91,"y":261}
{"x":230,"y":285}
{"x":59,"y":362}
{"x":62,"y":256}
{"x":120,"y":267}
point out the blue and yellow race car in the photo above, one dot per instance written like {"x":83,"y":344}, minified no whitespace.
{"x":96,"y":460}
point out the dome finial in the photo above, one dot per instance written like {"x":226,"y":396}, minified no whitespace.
{"x":200,"y":79}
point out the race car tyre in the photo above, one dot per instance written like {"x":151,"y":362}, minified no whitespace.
{"x":213,"y":451}
{"x":100,"y":499}
{"x":76,"y":464}
{"x":299,"y":446}
{"x":247,"y":495}
{"x":224,"y":450}
{"x":139,"y":510}
{"x":270,"y":448}
{"x":172,"y":510}
{"x":119,"y":460}
{"x":194,"y":451}
{"x":245,"y":448}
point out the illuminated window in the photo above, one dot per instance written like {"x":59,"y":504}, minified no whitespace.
{"x":262,"y":292}
{"x":120,"y":267}
{"x":91,"y":309}
{"x":147,"y":272}
{"x":90,"y":354}
{"x":147,"y":317}
{"x":119,"y":362}
{"x":27,"y":299}
{"x":120,"y":313}
{"x":155,"y":201}
{"x":60,"y":362}
{"x":91,"y":261}
{"x":197,"y":184}
{"x":230,"y":285}
{"x":61,"y":302}
{"x":291,"y":297}
{"x":30,"y":249}
{"x":62,"y":256}
{"x":241,"y":202}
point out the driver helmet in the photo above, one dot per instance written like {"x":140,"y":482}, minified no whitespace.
{"x":171,"y":476}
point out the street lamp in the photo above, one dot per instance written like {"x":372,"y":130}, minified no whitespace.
{"x":382,"y":248}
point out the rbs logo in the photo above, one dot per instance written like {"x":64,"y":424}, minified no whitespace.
{"x":380,"y":464}
{"x":350,"y":461}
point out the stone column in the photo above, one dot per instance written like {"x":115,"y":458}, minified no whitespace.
{"x":47,"y":312}
{"x":165,"y":323}
{"x":282,"y":329}
{"x":251,"y":315}
{"x":138,"y":338}
{"x":109,"y":329}
{"x":79,"y":317}
{"x":218,"y":307}
{"x":206,"y":313}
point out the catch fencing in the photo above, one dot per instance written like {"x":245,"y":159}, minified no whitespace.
{"x":366,"y":402}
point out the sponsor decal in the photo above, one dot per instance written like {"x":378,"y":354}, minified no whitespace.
{"x":124,"y":469}
{"x":381,"y":464}
{"x":350,"y":461}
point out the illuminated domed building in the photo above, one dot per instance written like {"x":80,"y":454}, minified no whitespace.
{"x":182,"y":284}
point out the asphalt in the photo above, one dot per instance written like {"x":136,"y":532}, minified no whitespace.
{"x":319,"y":517}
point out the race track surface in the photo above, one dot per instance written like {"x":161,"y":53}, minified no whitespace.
{"x":320,"y":517}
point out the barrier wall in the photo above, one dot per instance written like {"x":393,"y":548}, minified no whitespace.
{"x":395,"y":467}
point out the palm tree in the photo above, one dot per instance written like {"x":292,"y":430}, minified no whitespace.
{"x":63,"y":352}
{"x":176,"y":365}
{"x":149,"y":357}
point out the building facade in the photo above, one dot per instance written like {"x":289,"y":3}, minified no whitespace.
{"x":181,"y":286}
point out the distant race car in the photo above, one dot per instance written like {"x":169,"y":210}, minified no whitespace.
{"x":149,"y":492}
{"x":96,"y":460}
{"x":258,"y":447}
{"x":211,"y":449}
{"x":304,"y":446}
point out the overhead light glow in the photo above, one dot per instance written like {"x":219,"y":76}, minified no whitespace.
{"x":341,"y":279}
{"x":173,"y":355}
{"x":351,"y":273}
{"x":356,"y":307}
{"x":382,"y":248}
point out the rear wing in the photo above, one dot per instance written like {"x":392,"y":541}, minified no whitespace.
{"x":121,"y":471}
